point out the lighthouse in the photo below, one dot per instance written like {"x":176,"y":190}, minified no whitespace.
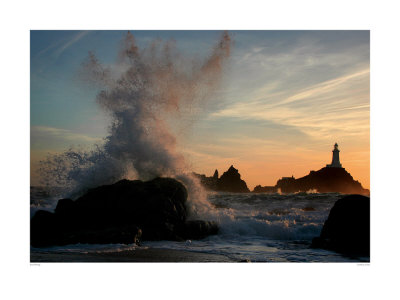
{"x":335,"y":158}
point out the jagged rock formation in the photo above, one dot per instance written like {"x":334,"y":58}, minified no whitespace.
{"x":124,"y":212}
{"x":215,"y":176}
{"x":347,"y":229}
{"x":230,"y":181}
{"x":210,"y":183}
{"x":324,"y":180}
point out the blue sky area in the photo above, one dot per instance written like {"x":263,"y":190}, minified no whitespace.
{"x":285,"y":99}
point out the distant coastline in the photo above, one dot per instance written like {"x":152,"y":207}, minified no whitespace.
{"x":330,"y":179}
{"x":325,"y":180}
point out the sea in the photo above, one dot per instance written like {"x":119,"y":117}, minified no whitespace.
{"x":253,"y":228}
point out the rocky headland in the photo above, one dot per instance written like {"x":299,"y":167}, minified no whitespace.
{"x":325,"y":180}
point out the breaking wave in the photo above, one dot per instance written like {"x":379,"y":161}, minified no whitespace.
{"x":272,"y":216}
{"x":147,"y":93}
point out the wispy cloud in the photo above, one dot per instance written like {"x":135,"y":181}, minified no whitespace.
{"x":70,"y":42}
{"x":319,"y":110}
{"x":45,"y":132}
{"x":59,"y":46}
{"x":324,"y":87}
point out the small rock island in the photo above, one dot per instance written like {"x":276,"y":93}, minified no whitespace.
{"x":332,"y":178}
{"x":230,"y":181}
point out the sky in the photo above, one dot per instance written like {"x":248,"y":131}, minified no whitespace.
{"x":286,"y":97}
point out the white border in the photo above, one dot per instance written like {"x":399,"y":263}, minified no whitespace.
{"x":198,"y":281}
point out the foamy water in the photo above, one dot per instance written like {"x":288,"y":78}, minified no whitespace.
{"x":253,"y":227}
{"x":267,"y":228}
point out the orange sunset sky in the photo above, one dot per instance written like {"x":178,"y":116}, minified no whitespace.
{"x":285,"y":98}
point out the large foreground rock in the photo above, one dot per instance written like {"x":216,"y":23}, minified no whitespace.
{"x":124,"y":212}
{"x":347,"y":229}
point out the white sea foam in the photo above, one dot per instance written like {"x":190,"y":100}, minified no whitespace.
{"x":272,"y":216}
{"x":265,"y":227}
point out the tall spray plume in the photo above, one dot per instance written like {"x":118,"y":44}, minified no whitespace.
{"x":143,"y":92}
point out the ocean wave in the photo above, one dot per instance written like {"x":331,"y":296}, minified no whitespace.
{"x":272,"y":216}
{"x":277,"y":230}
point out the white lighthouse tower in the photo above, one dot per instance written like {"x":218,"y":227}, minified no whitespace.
{"x":335,"y":158}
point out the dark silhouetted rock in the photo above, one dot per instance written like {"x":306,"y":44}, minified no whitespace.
{"x":64,"y":206}
{"x":44,"y":229}
{"x":124,"y":212}
{"x":347,"y":229}
{"x":199,"y":229}
{"x":230,"y":182}
{"x":215,"y":176}
{"x":210,"y":183}
{"x":265,"y":189}
{"x":324,"y":180}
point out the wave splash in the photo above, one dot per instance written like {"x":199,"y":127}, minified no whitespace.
{"x":272,"y":216}
{"x":147,"y":93}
